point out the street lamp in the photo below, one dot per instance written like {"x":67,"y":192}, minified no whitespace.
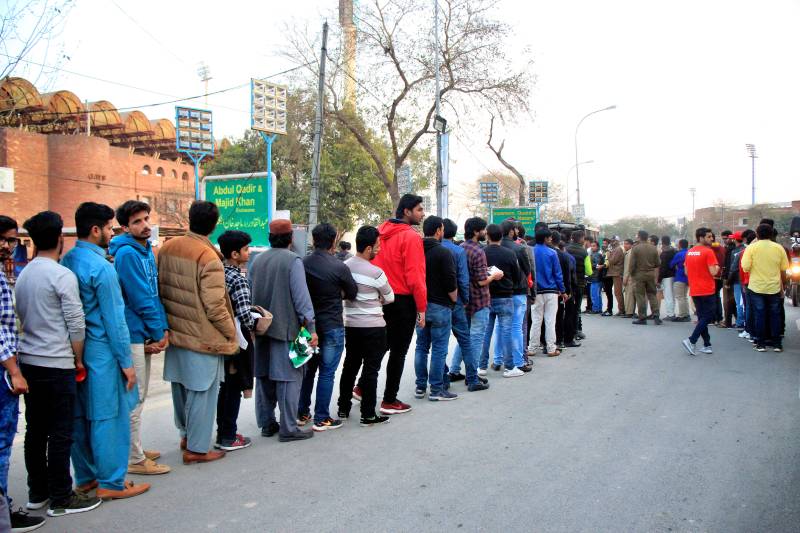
{"x":577,"y":165}
{"x":751,"y":149}
{"x":693,"y":190}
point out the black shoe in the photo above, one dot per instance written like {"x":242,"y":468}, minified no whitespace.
{"x":477,"y":386}
{"x":626,"y":315}
{"x":651,"y":317}
{"x":657,"y":321}
{"x":343,"y":415}
{"x":497,"y":368}
{"x":456,"y":377}
{"x":561,"y":345}
{"x":580,"y":335}
{"x":374,"y":421}
{"x":22,"y":521}
{"x":683,"y":319}
{"x":573,"y":344}
{"x":526,"y":368}
{"x":271,"y":429}
{"x":297,"y":435}
{"x":607,"y":314}
{"x":483,"y":380}
{"x":640,"y":322}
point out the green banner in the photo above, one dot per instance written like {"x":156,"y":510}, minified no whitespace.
{"x":242,"y":206}
{"x":526,"y":215}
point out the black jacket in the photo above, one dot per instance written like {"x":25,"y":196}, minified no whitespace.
{"x":567,"y":272}
{"x":329,"y":280}
{"x":523,"y":261}
{"x":579,"y":253}
{"x":505,"y":260}
{"x":440,"y":272}
{"x":664,"y":271}
{"x":733,"y":267}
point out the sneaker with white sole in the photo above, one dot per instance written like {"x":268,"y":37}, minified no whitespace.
{"x":443,"y":396}
{"x":419,"y":393}
{"x":482,"y":372}
{"x":744,"y":335}
{"x":513,"y":373}
{"x":687,"y":344}
{"x":78,"y":503}
{"x":357,"y":393}
{"x":238,"y":443}
{"x":706,"y":349}
{"x":35,"y":506}
{"x":325,"y":425}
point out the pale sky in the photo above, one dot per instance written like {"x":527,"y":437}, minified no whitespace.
{"x":693,"y":82}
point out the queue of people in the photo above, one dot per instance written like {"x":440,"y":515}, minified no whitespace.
{"x":92,"y":320}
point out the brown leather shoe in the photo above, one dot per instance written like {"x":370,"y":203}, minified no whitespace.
{"x":190,"y":457}
{"x":554,"y":354}
{"x":148,"y":467}
{"x":87,"y":487}
{"x":183,"y":443}
{"x":152,"y":454}
{"x":129,"y":491}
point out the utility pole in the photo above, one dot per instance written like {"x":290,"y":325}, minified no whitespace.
{"x":751,"y":149}
{"x":693,"y":191}
{"x":205,"y":74}
{"x":313,"y":208}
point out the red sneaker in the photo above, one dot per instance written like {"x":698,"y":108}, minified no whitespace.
{"x":394,"y":408}
{"x":303,"y":420}
{"x":357,"y":393}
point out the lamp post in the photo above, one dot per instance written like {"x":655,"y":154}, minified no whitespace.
{"x":751,"y":149}
{"x":577,"y":165}
{"x":693,"y":191}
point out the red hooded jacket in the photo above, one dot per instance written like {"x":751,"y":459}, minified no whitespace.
{"x":403,"y":261}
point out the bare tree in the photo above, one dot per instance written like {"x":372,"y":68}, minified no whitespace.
{"x":396,"y":89}
{"x":498,"y":152}
{"x":27,"y":30}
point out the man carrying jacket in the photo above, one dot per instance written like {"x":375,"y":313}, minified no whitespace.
{"x":644,"y":266}
{"x":191,"y":280}
{"x":402,"y":259}
{"x":144,"y":314}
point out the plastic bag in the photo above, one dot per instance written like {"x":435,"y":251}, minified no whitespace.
{"x":300,"y":351}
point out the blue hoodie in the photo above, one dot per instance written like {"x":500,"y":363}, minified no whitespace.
{"x":138,"y":277}
{"x":549,"y":278}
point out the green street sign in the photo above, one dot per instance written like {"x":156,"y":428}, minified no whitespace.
{"x":242,"y":206}
{"x":528,"y":216}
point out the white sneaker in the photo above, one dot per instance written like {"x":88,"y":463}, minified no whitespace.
{"x":744,"y":335}
{"x":706,"y":349}
{"x":687,"y":344}
{"x":482,"y":372}
{"x":513,"y":373}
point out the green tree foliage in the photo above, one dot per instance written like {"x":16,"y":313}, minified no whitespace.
{"x":628,"y":227}
{"x":350,"y":190}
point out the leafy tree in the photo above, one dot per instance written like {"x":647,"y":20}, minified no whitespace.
{"x":627,"y":227}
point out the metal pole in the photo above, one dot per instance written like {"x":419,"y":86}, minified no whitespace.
{"x":313,"y":207}
{"x":88,"y":119}
{"x":753,"y":159}
{"x":577,"y":169}
{"x":268,"y":139}
{"x":196,"y":176}
{"x":440,"y":201}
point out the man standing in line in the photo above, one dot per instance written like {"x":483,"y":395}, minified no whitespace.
{"x":583,"y":268}
{"x":521,"y":290}
{"x":365,"y":329}
{"x":720,"y":252}
{"x":596,"y":279}
{"x":628,"y":283}
{"x":344,"y":251}
{"x":666,"y":276}
{"x":328,"y":280}
{"x":50,"y":350}
{"x":523,"y":240}
{"x":147,"y":323}
{"x":402,"y":259}
{"x":434,"y":337}
{"x":644,"y":270}
{"x":459,"y":319}
{"x":549,"y":289}
{"x":565,"y":319}
{"x":502,"y":307}
{"x":616,"y":264}
{"x":235,"y":248}
{"x":734,"y":279}
{"x":102,"y":436}
{"x":766,"y":262}
{"x":728,"y":301}
{"x":701,"y":268}
{"x":478,"y":307}
{"x":681,"y":283}
{"x":9,"y":395}
{"x":279,"y":286}
{"x":192,"y":284}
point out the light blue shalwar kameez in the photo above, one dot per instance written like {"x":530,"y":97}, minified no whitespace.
{"x":102,"y":410}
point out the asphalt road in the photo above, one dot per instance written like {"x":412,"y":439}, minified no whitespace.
{"x":627,"y":433}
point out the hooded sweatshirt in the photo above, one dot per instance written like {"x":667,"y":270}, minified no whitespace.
{"x":138,"y":278}
{"x":402,"y":259}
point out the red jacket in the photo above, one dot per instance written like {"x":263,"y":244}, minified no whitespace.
{"x":403,"y":260}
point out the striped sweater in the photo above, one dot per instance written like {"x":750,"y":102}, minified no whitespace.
{"x":366,"y":311}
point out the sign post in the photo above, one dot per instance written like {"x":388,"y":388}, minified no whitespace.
{"x":243,"y":200}
{"x":527,"y":216}
{"x":194,"y":136}
{"x":268,"y":117}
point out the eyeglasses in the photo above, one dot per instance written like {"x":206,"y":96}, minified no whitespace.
{"x":11,"y":241}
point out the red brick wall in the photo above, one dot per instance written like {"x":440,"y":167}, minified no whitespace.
{"x":26,"y":153}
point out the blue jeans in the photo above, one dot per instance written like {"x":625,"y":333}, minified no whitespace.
{"x":518,"y":324}
{"x":740,"y":308}
{"x":9,"y":414}
{"x":501,"y":309}
{"x":706,"y":307}
{"x":434,"y":337}
{"x":767,"y":328}
{"x":597,"y":296}
{"x":463,"y":333}
{"x":331,"y":346}
{"x":477,"y":331}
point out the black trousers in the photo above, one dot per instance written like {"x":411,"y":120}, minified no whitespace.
{"x":49,"y":418}
{"x":364,"y":346}
{"x":608,"y":288}
{"x":228,"y":402}
{"x":401,"y":318}
{"x":570,"y":319}
{"x":718,"y":301}
{"x":578,"y":295}
{"x":587,"y":290}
